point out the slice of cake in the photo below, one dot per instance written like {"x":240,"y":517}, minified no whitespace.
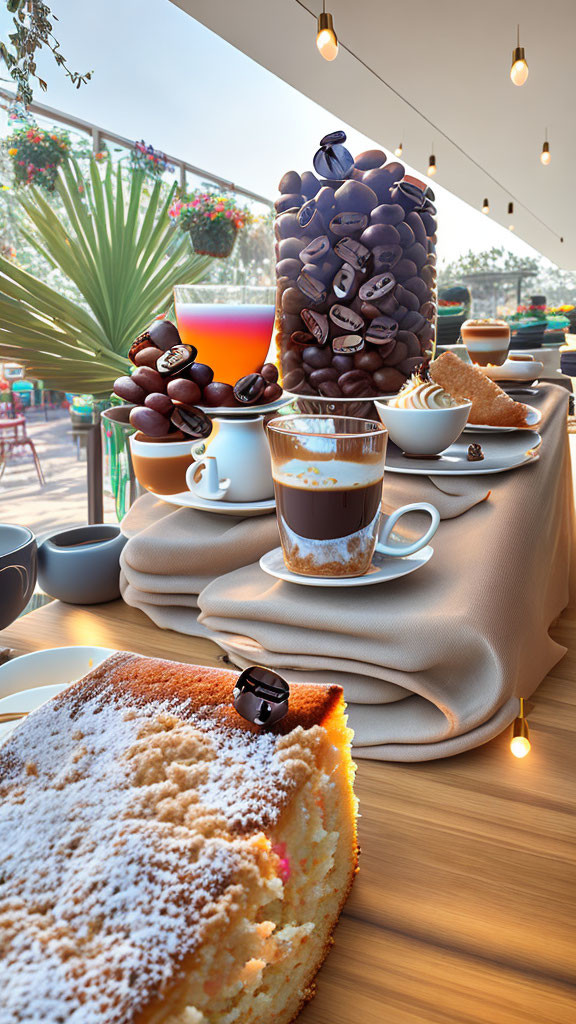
{"x":465,"y":382}
{"x":163,"y":860}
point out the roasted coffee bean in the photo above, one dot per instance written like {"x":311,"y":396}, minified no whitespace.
{"x":182,"y":390}
{"x":147,"y":356}
{"x":159,"y":402}
{"x":290,"y":248}
{"x":406,"y":236}
{"x":409,"y":196}
{"x":398,"y":354}
{"x":289,"y":267}
{"x":344,"y":281}
{"x":355,"y":384}
{"x":343,"y":363}
{"x":369,"y":311}
{"x":317,"y":324}
{"x":290,"y":201}
{"x":400,"y":313}
{"x":417,"y":285}
{"x":142,"y":341}
{"x":149,"y":379}
{"x":149,"y":421}
{"x":316,"y":250}
{"x":356,"y":196}
{"x":428,"y":310}
{"x":417,"y":253}
{"x":311,"y":287}
{"x":272,"y":392}
{"x":290,"y":182}
{"x":164,"y":334}
{"x":301,"y":338}
{"x":405,"y":269}
{"x":380,"y":234}
{"x":406,"y":298}
{"x":351,"y":251}
{"x":346,"y":344}
{"x":330,"y":389}
{"x":192,"y":421}
{"x":128,"y":389}
{"x":316,"y":357}
{"x":348,"y":223}
{"x":217,"y":394}
{"x":377,"y":287}
{"x":411,"y":365}
{"x":319,"y":376}
{"x":388,"y":213}
{"x":286,"y":226}
{"x":426,"y":333}
{"x":174,"y":360}
{"x":309,"y":184}
{"x":381,"y":330}
{"x":346,"y":319}
{"x":249,"y":389}
{"x":388,"y":305}
{"x":385,"y":257}
{"x":290,"y":360}
{"x":413,"y":321}
{"x":388,"y":380}
{"x":294,"y":379}
{"x":411,"y":342}
{"x":368,"y":361}
{"x":201,"y":374}
{"x":414,"y":221}
{"x":370,"y":158}
{"x":270,"y":373}
{"x":429,"y":223}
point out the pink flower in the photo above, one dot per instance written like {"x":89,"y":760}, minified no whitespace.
{"x":229,"y":214}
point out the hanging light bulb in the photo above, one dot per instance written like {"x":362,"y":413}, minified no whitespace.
{"x":432,"y":165}
{"x":520,"y":743}
{"x":398,"y":150}
{"x":326,"y":38}
{"x":485,"y":206}
{"x":511,"y":214}
{"x":545,"y":156}
{"x":519,"y":69}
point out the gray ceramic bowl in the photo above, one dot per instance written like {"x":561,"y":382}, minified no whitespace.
{"x":17,"y":571}
{"x":82,"y":565}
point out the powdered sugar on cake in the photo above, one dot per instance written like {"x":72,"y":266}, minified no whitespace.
{"x":122,"y":829}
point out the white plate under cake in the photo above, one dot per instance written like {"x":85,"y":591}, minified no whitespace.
{"x":164,"y":861}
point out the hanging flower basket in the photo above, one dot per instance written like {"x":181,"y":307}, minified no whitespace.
{"x":212,"y":221}
{"x":151,"y":161}
{"x":36,"y":155}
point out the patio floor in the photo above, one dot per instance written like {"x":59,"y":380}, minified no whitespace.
{"x":62,"y":501}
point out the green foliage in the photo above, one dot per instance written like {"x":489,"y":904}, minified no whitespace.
{"x":32,"y":30}
{"x":119,"y":250}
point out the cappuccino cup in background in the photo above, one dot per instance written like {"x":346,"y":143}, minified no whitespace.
{"x":328,"y":473}
{"x":487,"y":341}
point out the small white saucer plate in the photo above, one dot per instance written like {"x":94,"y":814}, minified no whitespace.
{"x":234,"y":411}
{"x":533,"y":418}
{"x":185,"y":499}
{"x":501,"y":453}
{"x":384,"y":568}
{"x":30,"y":680}
{"x":514,"y":370}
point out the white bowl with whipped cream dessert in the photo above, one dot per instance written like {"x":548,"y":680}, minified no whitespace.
{"x":487,"y":341}
{"x":423,"y":419}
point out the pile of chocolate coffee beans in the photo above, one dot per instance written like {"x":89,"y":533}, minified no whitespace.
{"x":356,"y":275}
{"x":167,"y":386}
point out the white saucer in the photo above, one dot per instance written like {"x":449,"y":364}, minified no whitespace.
{"x":55,"y":668}
{"x":533,"y":418}
{"x":514,"y":370}
{"x":246,"y":410}
{"x":501,"y":453}
{"x":383,"y":569}
{"x":185,"y":499}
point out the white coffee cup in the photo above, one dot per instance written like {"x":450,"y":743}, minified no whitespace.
{"x":233,"y":464}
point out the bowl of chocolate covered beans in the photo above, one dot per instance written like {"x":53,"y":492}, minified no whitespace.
{"x":356,"y":275}
{"x":173,"y":399}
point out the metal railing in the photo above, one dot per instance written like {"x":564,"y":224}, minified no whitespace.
{"x":99,"y":135}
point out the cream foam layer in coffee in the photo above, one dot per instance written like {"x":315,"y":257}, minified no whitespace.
{"x":486,"y":335}
{"x":332,"y":474}
{"x":422,"y":394}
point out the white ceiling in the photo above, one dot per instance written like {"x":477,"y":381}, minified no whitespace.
{"x":451,"y":60}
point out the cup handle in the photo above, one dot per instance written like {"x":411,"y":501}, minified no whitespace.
{"x":408,"y":549}
{"x":202,"y":478}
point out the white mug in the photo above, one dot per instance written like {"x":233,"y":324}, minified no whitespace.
{"x":408,"y":548}
{"x":233,"y":464}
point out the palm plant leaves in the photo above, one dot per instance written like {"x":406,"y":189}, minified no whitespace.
{"x":119,"y":249}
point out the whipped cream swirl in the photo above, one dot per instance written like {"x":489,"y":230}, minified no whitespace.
{"x":422,"y":394}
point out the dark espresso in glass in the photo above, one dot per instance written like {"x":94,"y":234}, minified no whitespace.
{"x":328,"y":473}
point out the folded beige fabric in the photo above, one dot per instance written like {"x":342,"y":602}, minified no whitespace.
{"x":431,"y":664}
{"x":172,"y":553}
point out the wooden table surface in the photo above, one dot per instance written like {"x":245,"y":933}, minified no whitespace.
{"x":464,"y":907}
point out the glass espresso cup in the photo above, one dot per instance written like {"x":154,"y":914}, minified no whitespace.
{"x":328,"y":473}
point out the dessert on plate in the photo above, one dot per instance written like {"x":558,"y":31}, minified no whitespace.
{"x":423,"y":419}
{"x":422,"y":393}
{"x":165,"y":861}
{"x":466,"y":382}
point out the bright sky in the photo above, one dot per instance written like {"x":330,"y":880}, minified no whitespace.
{"x":161,"y":76}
